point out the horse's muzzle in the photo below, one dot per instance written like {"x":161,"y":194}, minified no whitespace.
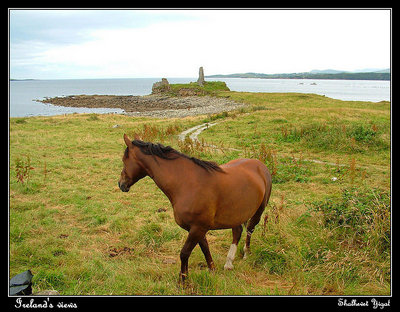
{"x":123,"y":187}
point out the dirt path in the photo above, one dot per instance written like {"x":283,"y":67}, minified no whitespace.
{"x":195,"y":131}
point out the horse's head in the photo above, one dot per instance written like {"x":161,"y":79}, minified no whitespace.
{"x":133,"y":170}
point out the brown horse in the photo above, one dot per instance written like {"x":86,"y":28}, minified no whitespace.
{"x":204,"y":196}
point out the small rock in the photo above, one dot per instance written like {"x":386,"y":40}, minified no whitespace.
{"x":169,"y":261}
{"x":114,"y":251}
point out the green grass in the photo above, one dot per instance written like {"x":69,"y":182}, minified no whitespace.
{"x":208,"y":88}
{"x":80,"y":235}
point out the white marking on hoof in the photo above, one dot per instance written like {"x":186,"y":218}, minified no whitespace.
{"x":245,"y":252}
{"x":231,"y":255}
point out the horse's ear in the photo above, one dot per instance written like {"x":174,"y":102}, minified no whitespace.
{"x":128,"y":142}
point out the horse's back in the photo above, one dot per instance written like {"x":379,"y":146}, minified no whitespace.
{"x":243,"y":163}
{"x":242,"y":189}
{"x":251,"y":172}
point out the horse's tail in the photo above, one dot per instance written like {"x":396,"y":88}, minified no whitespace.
{"x":268,"y":186}
{"x":266,"y":175}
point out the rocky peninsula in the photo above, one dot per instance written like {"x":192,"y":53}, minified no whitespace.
{"x":153,"y":105}
{"x":165,"y":100}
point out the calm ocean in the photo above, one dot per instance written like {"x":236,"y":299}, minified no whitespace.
{"x":24,"y":93}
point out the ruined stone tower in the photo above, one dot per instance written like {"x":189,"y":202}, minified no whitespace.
{"x":200,"y":81}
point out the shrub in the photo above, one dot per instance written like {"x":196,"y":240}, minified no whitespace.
{"x":23,"y":169}
{"x":363,"y":134}
{"x":360,"y":213}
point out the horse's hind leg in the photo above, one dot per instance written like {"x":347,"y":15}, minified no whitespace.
{"x":236,"y":233}
{"x":250,"y":228}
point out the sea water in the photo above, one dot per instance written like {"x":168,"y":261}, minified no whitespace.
{"x":23,"y":95}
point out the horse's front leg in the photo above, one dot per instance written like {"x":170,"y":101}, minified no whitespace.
{"x":206,"y":251}
{"x":195,"y":235}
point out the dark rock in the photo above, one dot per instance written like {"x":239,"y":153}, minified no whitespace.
{"x":21,"y":284}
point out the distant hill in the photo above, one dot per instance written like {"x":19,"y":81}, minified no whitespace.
{"x":383,"y":74}
{"x":326,"y":71}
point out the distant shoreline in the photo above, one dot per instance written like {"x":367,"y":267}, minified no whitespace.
{"x":329,"y":74}
{"x":22,"y":79}
{"x":292,"y":78}
{"x":384,"y":75}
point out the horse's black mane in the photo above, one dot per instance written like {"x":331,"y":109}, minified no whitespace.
{"x":169,"y":153}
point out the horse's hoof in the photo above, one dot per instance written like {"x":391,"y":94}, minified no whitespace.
{"x":182,"y":278}
{"x":228,"y":266}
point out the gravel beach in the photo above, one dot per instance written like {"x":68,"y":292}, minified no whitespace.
{"x":153,"y":105}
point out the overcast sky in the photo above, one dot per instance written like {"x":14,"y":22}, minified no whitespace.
{"x":56,"y":44}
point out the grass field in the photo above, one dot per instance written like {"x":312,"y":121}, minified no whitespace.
{"x":326,"y":230}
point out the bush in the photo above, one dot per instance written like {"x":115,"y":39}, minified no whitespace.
{"x":360,"y":213}
{"x":363,"y":134}
{"x":23,"y":169}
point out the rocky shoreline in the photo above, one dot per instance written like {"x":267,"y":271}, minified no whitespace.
{"x":153,"y":105}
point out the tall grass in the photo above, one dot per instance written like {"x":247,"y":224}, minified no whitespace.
{"x":351,"y":246}
{"x":153,"y":133}
{"x":354,"y":138}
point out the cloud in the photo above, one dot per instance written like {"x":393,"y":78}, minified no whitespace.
{"x":172,"y":43}
{"x":73,"y":26}
{"x":84,"y":42}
